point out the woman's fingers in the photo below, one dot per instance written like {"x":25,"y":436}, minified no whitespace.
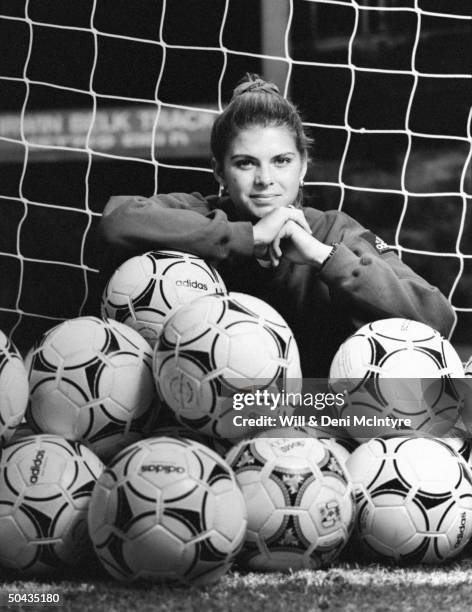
{"x":299,"y":218}
{"x":269,"y":226}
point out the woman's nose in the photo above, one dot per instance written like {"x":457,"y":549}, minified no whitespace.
{"x":263,"y":177}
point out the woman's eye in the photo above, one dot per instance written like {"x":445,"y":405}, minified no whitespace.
{"x":282,"y":161}
{"x":244,"y":163}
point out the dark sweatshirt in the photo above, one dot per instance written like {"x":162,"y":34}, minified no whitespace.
{"x":363,"y":281}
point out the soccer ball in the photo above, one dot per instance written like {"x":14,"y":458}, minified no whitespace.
{"x":45,"y":488}
{"x":167,"y":509}
{"x":145,"y":288}
{"x":216,"y":347}
{"x":299,"y":500}
{"x":91,"y":380}
{"x":14,"y":389}
{"x":414,"y":499}
{"x":397,"y":369}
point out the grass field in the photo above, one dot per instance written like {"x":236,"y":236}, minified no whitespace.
{"x":348,"y":586}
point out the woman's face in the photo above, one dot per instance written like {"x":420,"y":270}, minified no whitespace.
{"x":262,"y":170}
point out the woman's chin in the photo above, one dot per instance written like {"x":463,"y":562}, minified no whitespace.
{"x":262,"y":211}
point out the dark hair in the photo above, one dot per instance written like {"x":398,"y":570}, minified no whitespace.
{"x":256,"y":102}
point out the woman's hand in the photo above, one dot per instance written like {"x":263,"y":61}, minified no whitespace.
{"x":295,"y":244}
{"x":269,"y":227}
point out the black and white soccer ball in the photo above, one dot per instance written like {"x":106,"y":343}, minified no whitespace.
{"x":146,"y":288}
{"x":299,"y":498}
{"x":414,"y":499}
{"x":220,"y":345}
{"x":45,"y":488}
{"x":91,"y":380}
{"x":167,"y":509}
{"x":14,"y":389}
{"x":400,"y":369}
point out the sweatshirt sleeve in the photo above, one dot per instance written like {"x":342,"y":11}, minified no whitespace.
{"x":186,"y":222}
{"x":372,"y":282}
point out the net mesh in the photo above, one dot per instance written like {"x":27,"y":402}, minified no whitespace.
{"x":99,"y":98}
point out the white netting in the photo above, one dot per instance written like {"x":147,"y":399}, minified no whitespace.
{"x":109,"y":97}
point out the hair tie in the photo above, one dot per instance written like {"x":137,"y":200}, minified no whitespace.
{"x":253,"y":83}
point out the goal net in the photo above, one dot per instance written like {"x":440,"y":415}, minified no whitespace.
{"x":108,"y":97}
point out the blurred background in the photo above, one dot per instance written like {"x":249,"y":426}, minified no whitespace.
{"x":99,"y":98}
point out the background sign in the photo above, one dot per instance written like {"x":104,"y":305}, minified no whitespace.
{"x":126,"y":131}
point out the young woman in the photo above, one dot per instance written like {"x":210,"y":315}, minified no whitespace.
{"x":325,"y":273}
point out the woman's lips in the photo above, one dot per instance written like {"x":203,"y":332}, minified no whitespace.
{"x":263,"y":199}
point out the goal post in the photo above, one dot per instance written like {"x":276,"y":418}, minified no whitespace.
{"x":100,"y":98}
